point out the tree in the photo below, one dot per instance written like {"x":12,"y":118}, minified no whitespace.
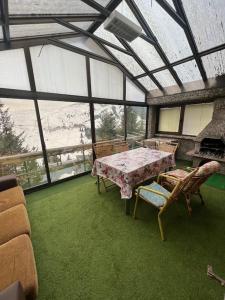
{"x":132,"y":120}
{"x":107,"y":126}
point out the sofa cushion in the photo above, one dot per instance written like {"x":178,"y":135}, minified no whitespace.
{"x":13,"y":222}
{"x":208,"y":168}
{"x":17,"y":263}
{"x":11,"y":197}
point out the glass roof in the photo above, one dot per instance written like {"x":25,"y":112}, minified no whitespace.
{"x":124,"y":9}
{"x":50,"y":7}
{"x":108,"y":36}
{"x":207,"y":20}
{"x":147,"y":83}
{"x":102,"y":2}
{"x":188,"y":71}
{"x":165,"y":78}
{"x":214,"y":64}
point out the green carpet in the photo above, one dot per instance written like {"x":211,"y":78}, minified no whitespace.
{"x":217,"y":181}
{"x":87,"y":248}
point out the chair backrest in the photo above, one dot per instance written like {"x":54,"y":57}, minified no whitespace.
{"x":181,"y":185}
{"x":167,"y":147}
{"x":103,"y":149}
{"x":149,"y":143}
{"x":120,"y":146}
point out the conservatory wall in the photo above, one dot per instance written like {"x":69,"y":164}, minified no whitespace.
{"x":65,"y":101}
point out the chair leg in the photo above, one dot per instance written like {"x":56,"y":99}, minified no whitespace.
{"x":98,"y":184}
{"x":136,"y":205}
{"x":188,"y":202}
{"x":200,"y":195}
{"x":160,"y":226}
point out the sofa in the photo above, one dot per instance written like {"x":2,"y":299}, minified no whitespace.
{"x":17,"y":262}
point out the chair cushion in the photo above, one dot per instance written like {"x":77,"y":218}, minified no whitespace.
{"x":153,"y":198}
{"x":208,"y":168}
{"x":178,"y":173}
{"x":14,"y":222}
{"x":11,"y":197}
{"x":17,"y":263}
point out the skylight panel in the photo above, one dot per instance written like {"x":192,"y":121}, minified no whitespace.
{"x":214,"y":64}
{"x":148,"y":83}
{"x":108,"y":36}
{"x":169,"y":34}
{"x":128,"y":61}
{"x":124,"y":9}
{"x":102,"y":2}
{"x":207,"y":21}
{"x":49,"y":7}
{"x":165,"y":78}
{"x":188,"y":71}
{"x":147,"y":53}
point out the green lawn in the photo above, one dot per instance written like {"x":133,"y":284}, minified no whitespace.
{"x":87,"y":248}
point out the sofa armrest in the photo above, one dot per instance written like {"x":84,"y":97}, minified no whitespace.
{"x":8,"y":182}
{"x":13,"y":292}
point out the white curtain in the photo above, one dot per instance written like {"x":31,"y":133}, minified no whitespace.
{"x":133,"y":93}
{"x":106,"y":80}
{"x":59,"y":71}
{"x":169,"y":119}
{"x":196,"y":117}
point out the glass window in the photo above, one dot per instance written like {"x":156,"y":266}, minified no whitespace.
{"x":214,"y":64}
{"x":67,"y":133}
{"x":188,"y":71}
{"x":169,"y":34}
{"x":13,"y":70}
{"x":109,"y":122}
{"x":147,"y":53}
{"x":169,"y":119}
{"x":148,"y":83}
{"x":207,"y":20}
{"x":49,"y":7}
{"x":20,"y":147}
{"x":106,"y":80}
{"x":165,"y":78}
{"x":128,"y":61}
{"x":136,"y":124}
{"x":133,"y":93}
{"x":59,"y":71}
{"x":196,"y":117}
{"x":43,"y":28}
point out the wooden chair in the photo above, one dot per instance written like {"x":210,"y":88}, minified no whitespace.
{"x":149,"y":143}
{"x":172,"y":148}
{"x":160,"y":197}
{"x":120,"y":147}
{"x":103,"y":149}
{"x":204,"y":172}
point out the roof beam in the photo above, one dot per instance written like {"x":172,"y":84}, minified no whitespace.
{"x":134,"y":8}
{"x":97,"y":7}
{"x":141,"y":63}
{"x":179,"y":7}
{"x":47,"y":18}
{"x":5,"y":20}
{"x":88,"y":34}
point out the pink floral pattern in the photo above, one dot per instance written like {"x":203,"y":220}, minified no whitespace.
{"x":130,"y":168}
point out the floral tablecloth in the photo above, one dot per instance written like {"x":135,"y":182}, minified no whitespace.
{"x":130,"y":168}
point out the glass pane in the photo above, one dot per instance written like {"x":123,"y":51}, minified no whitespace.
{"x":124,"y":9}
{"x":214,"y":64}
{"x":207,"y":20}
{"x":86,"y":44}
{"x":128,"y":61}
{"x":59,"y":71}
{"x":67,"y":133}
{"x":169,"y":119}
{"x":165,"y":78}
{"x":171,"y":3}
{"x":102,"y":2}
{"x":43,"y":28}
{"x":108,"y":36}
{"x":1,"y":34}
{"x":106,"y":80}
{"x":147,"y":83}
{"x":13,"y":74}
{"x":49,"y":7}
{"x":133,"y":93}
{"x":109,"y":122}
{"x":147,"y":53}
{"x":136,"y":124}
{"x":169,"y":34}
{"x":20,"y":147}
{"x":196,"y":117}
{"x":188,"y":71}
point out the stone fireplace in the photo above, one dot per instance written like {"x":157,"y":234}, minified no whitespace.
{"x":210,"y":143}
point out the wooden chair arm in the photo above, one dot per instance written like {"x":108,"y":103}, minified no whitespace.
{"x":164,"y":175}
{"x":151,"y":190}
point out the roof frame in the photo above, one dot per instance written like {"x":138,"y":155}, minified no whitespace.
{"x":97,"y":7}
{"x":5,"y":20}
{"x":137,"y":13}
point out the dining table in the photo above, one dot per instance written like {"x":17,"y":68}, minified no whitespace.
{"x":130,"y":168}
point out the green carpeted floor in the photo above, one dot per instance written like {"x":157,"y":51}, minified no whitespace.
{"x":87,"y":248}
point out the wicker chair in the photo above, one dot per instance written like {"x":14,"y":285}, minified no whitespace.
{"x":172,"y":148}
{"x":103,"y":149}
{"x":204,"y":172}
{"x":160,"y":197}
{"x":120,"y":147}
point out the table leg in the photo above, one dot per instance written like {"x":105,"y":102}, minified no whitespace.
{"x":98,"y":184}
{"x":127,"y":206}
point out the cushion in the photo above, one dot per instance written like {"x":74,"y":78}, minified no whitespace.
{"x":17,"y":263}
{"x":13,"y":292}
{"x":11,"y":197}
{"x":153,"y":198}
{"x":13,"y":222}
{"x":208,"y":168}
{"x":7,"y":182}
